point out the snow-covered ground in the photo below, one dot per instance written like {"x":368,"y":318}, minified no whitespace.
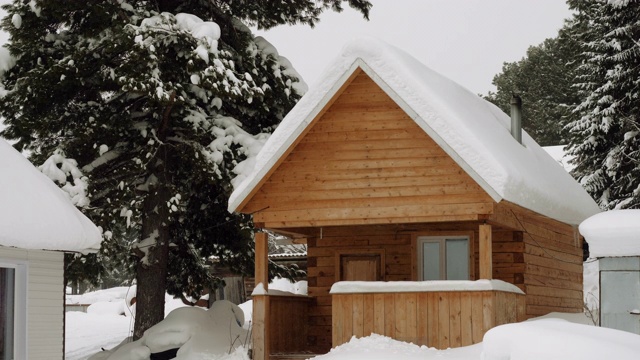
{"x":544,"y":338}
{"x":107,"y":322}
{"x":554,"y":336}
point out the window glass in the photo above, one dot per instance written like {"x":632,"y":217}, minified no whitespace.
{"x":443,"y":258}
{"x":457,"y":254}
{"x":431,"y":260}
{"x":7,"y":312}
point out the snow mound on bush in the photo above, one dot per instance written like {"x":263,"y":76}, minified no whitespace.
{"x":559,"y":339}
{"x":199,"y":333}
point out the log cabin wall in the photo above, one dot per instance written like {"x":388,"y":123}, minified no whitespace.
{"x":322,"y":269}
{"x":552,"y":260}
{"x":508,"y":257}
{"x":364,"y":161}
{"x":399,"y":254}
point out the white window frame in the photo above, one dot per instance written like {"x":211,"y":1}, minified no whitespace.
{"x":441,"y":239}
{"x":20,"y":305}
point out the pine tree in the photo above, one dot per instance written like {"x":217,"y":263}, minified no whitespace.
{"x":544,"y":81}
{"x":604,"y":138}
{"x":157,"y":108}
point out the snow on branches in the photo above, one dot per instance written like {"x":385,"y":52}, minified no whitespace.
{"x":66,"y":173}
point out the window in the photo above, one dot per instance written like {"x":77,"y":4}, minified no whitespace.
{"x":7,"y":300}
{"x":443,"y":257}
{"x":13,"y":320}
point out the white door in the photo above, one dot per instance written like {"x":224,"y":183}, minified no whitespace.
{"x":620,"y":300}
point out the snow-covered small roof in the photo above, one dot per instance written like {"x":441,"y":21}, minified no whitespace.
{"x":35,"y":213}
{"x":613,"y":233}
{"x":474,"y":132}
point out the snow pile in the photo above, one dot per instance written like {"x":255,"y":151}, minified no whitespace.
{"x":613,"y":233}
{"x":285,"y":285}
{"x":199,"y":333}
{"x":87,"y":333}
{"x":378,"y":347}
{"x":109,"y":310}
{"x":35,"y":213}
{"x":117,"y":301}
{"x":106,"y":295}
{"x":474,"y":132}
{"x":551,"y":339}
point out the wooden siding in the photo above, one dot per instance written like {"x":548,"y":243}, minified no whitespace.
{"x":436,"y":319}
{"x":45,"y":300}
{"x":287,"y":324}
{"x":322,"y":270}
{"x":364,"y":161}
{"x":551,"y":260}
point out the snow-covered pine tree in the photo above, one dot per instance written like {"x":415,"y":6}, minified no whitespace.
{"x":157,"y":107}
{"x":605,"y":139}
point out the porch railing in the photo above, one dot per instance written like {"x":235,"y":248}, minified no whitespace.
{"x":439,"y":314}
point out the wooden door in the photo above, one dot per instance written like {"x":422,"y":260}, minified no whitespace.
{"x":361,"y":267}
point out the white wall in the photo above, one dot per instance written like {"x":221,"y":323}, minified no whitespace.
{"x":45,"y":300}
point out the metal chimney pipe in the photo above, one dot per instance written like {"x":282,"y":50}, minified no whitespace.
{"x":516,"y":118}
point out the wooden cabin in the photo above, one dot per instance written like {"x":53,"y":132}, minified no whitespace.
{"x":425,"y":220}
{"x":38,"y":224}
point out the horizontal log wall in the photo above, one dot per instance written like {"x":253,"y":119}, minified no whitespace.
{"x":435,"y":319}
{"x":322,"y":272}
{"x":552,"y":260}
{"x":365,"y":161}
{"x":508,"y":257}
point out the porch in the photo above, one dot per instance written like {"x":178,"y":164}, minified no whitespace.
{"x":441,"y":314}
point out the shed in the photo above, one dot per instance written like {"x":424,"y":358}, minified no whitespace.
{"x":397,"y":176}
{"x":38,"y":223}
{"x":614,"y":239}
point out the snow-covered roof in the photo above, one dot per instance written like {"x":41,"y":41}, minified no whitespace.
{"x":35,"y":213}
{"x":613,"y":233}
{"x":474,"y":132}
{"x":558,"y":153}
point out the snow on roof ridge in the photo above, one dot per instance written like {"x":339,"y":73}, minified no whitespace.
{"x":474,"y":132}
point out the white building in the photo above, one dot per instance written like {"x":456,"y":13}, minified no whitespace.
{"x":38,"y":224}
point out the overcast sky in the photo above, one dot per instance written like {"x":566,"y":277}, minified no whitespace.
{"x":466,"y":40}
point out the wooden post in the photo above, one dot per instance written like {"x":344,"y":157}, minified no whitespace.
{"x":260,"y":331}
{"x":262,"y":259}
{"x":486,"y":252}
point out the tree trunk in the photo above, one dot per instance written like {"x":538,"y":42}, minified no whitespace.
{"x":152,"y":270}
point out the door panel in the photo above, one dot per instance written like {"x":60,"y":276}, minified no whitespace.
{"x":620,"y":300}
{"x":364,"y":267}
